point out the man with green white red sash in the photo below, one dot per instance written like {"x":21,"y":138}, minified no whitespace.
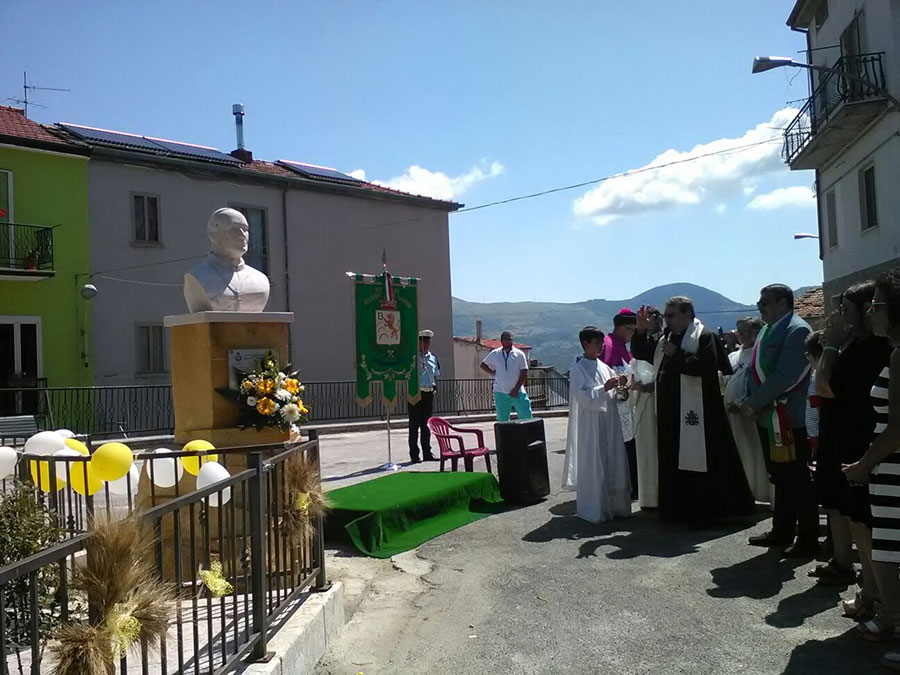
{"x":776,"y":399}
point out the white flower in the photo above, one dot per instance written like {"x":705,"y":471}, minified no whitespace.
{"x":283,"y":395}
{"x":252,"y":401}
{"x":280,"y":379}
{"x":290,"y":413}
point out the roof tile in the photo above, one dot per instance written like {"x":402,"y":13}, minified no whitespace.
{"x":811,"y":303}
{"x":14,"y":123}
{"x":490,"y":344}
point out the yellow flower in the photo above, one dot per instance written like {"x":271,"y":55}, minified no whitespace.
{"x":265,"y":406}
{"x":301,"y":502}
{"x":303,"y":409}
{"x":215,"y":581}
{"x":265,"y":387}
{"x":292,"y":385}
{"x":246,"y":386}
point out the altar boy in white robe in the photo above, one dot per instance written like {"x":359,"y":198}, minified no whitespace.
{"x":596,"y":465}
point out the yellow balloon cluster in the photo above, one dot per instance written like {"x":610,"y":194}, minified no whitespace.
{"x":192,"y":464}
{"x":110,"y":462}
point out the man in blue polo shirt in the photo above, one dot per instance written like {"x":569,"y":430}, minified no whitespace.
{"x":428,"y":368}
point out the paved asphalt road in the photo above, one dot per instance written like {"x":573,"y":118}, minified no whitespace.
{"x":537,"y":590}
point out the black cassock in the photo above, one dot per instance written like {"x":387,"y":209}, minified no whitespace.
{"x":690,"y":496}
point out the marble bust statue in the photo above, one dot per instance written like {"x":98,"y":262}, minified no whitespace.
{"x":223,"y":281}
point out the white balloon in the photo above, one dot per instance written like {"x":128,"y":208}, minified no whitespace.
{"x":65,"y":433}
{"x":44,"y":443}
{"x":63,"y":469}
{"x":8,"y":460}
{"x":120,"y":486}
{"x":166,"y":472}
{"x":210,"y":474}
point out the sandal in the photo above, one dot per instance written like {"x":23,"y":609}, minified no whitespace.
{"x":876,"y":629}
{"x":833,"y":573}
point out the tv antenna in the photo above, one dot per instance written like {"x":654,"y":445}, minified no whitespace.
{"x":24,"y":102}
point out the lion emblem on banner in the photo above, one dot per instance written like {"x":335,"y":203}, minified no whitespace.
{"x":387,"y":327}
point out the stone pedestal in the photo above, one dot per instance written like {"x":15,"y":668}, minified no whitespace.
{"x":199,"y":356}
{"x":199,"y":349}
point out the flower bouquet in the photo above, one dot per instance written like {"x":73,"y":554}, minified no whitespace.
{"x":269,"y":397}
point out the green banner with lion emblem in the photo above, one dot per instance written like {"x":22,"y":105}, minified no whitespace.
{"x":387,"y":330}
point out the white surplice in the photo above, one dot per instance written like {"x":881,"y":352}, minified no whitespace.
{"x":596,"y":465}
{"x":744,"y":429}
{"x":645,"y":435}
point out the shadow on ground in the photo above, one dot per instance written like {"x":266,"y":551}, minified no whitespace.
{"x":844,"y":653}
{"x":641,"y":534}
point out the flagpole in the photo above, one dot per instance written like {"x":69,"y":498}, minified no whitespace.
{"x":388,"y":296}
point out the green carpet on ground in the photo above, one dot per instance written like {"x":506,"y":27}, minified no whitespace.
{"x":396,"y":513}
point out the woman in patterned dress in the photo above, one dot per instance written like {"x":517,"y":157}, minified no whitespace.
{"x":880,"y":467}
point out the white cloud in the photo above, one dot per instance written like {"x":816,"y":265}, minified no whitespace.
{"x":358,"y":173}
{"x":721,"y":208}
{"x":692,"y":182}
{"x":419,"y":181}
{"x":784,"y":197}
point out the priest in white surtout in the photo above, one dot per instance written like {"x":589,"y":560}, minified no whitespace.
{"x":596,"y":465}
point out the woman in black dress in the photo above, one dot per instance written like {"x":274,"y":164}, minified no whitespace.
{"x":851,"y":361}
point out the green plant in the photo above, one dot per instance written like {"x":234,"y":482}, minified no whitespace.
{"x":28,"y":527}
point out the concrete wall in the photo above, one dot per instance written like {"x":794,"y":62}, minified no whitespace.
{"x":328,"y":235}
{"x":50,"y":189}
{"x":859,"y":254}
{"x":331,"y":235}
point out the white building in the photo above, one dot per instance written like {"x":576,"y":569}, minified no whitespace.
{"x":850,"y":135}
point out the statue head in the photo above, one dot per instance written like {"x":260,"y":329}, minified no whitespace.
{"x":229,"y":233}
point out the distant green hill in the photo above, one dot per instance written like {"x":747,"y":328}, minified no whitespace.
{"x":552,"y":327}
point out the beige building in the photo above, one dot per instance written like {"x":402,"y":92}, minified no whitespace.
{"x":149,"y":201}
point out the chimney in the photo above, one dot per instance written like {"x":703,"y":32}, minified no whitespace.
{"x":241,"y":153}
{"x":477,"y":331}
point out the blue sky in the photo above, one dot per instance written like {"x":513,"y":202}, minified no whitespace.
{"x":481,"y":101}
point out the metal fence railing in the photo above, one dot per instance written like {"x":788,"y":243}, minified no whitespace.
{"x":147,"y":409}
{"x":26,"y":247}
{"x":237,"y":523}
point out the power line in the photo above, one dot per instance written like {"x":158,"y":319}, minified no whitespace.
{"x":575,"y":186}
{"x":139,"y":283}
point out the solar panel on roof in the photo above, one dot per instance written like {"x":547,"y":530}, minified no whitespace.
{"x":112,"y":137}
{"x":196,"y":151}
{"x":313,"y":171}
{"x":158,"y":145}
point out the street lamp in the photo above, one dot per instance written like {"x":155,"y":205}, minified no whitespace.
{"x":805,"y":235}
{"x":764,"y":63}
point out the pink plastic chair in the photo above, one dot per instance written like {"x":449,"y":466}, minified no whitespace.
{"x":443,"y":431}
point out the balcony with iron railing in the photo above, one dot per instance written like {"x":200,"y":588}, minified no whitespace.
{"x":26,"y":251}
{"x":837,"y":111}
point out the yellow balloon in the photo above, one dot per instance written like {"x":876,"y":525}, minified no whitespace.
{"x":112,"y":461}
{"x":77,"y":445}
{"x":77,"y":475}
{"x":192,"y":464}
{"x":40,"y":474}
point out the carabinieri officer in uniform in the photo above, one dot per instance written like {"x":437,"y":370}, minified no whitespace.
{"x":428,"y":368}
